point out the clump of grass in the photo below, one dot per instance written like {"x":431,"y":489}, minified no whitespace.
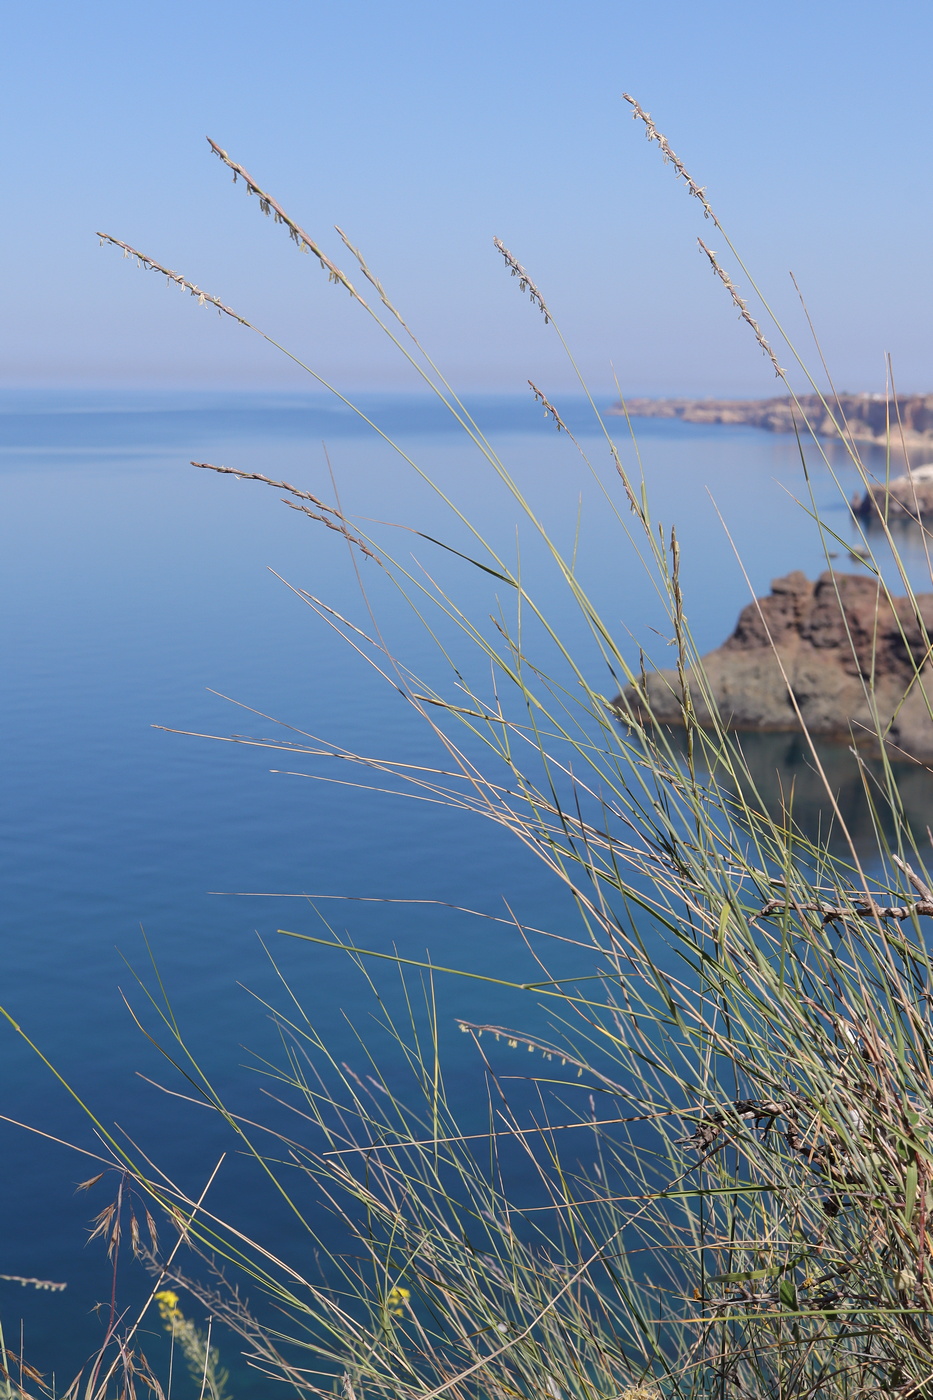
{"x":725,"y":1167}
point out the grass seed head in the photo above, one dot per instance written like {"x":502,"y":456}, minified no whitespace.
{"x":204,"y":298}
{"x":270,"y":205}
{"x":741,"y":306}
{"x":524,"y":280}
{"x":671,"y":157}
{"x":549,"y":410}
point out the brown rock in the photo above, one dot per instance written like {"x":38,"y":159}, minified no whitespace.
{"x":907,"y":497}
{"x":836,"y":650}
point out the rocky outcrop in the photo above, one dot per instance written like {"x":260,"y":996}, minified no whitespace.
{"x":903,"y":498}
{"x":868,"y":417}
{"x":842,"y":648}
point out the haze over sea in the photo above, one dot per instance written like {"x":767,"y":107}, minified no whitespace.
{"x":136,"y":593}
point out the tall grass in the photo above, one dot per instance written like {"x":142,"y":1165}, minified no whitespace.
{"x":715,"y":1177}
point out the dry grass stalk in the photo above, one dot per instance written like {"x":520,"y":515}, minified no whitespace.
{"x":671,"y":157}
{"x":741,"y":306}
{"x":204,"y":298}
{"x":524,"y":280}
{"x":44,"y":1285}
{"x":269,"y":205}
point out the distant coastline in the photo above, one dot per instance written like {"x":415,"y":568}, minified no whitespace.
{"x":869,"y":417}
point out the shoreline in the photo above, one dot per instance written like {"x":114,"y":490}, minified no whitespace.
{"x":902,"y":423}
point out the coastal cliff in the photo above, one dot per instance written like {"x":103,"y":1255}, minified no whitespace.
{"x":867,"y":415}
{"x":842,"y":647}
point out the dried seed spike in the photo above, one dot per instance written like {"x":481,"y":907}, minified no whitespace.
{"x":335,"y":524}
{"x":151,"y":265}
{"x":652,"y":133}
{"x":741,"y":306}
{"x":524,"y":280}
{"x":267,"y":481}
{"x":270,"y":205}
{"x":102,"y":1221}
{"x":634,"y":505}
{"x":153,"y":1233}
{"x":549,"y":409}
{"x":44,"y":1285}
{"x":86,"y":1185}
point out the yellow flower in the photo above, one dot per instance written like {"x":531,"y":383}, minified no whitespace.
{"x":167,"y":1302}
{"x":203,"y":1361}
{"x":396,"y":1300}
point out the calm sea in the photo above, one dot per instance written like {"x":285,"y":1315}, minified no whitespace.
{"x":138,"y":592}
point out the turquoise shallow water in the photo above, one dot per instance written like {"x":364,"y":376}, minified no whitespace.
{"x":136,"y":592}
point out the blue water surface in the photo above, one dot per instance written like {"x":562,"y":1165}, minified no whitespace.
{"x":137,"y":592}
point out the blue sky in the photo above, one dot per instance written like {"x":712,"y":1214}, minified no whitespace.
{"x":426,"y":129}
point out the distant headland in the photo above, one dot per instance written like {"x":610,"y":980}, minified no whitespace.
{"x":908,"y":419}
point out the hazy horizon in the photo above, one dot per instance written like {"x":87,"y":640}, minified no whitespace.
{"x":12,"y":394}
